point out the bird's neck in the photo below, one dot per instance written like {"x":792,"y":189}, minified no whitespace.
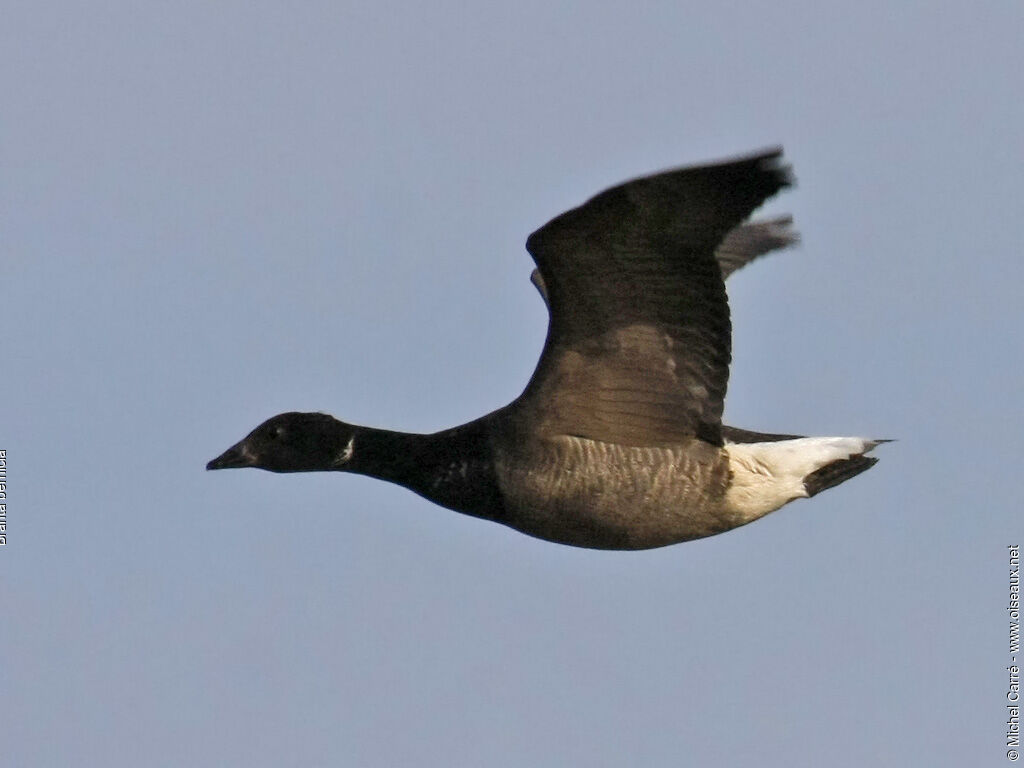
{"x":453,"y":468}
{"x":396,"y":457}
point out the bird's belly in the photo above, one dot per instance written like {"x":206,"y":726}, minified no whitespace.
{"x":591,"y":494}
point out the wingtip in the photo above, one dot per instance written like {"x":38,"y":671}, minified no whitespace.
{"x":772,"y":162}
{"x":771,"y":151}
{"x":768,"y":160}
{"x":782,"y":228}
{"x":778,"y":231}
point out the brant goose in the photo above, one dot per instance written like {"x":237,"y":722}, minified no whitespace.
{"x":617,"y":440}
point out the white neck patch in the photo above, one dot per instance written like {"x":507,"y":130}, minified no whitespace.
{"x":346,"y":452}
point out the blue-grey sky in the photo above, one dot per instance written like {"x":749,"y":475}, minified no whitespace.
{"x":214,"y":212}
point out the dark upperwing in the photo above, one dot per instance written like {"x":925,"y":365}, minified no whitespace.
{"x":638,"y":343}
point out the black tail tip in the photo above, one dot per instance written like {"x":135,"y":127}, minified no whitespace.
{"x":837,"y":472}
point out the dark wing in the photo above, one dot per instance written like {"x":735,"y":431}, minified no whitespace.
{"x":737,"y":435}
{"x":638,"y":342}
{"x":740,"y":247}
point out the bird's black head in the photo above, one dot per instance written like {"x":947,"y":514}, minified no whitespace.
{"x":292,"y":442}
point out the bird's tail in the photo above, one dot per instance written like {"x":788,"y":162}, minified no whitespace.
{"x":836,"y":472}
{"x":769,"y":473}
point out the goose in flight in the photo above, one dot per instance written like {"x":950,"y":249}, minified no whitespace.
{"x":617,"y":441}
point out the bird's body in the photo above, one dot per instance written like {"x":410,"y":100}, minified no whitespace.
{"x":617,"y":441}
{"x":575,"y":490}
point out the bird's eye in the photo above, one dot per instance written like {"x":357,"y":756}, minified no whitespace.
{"x":276,"y":432}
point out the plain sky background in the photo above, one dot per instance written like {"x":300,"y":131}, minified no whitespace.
{"x":214,"y":212}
